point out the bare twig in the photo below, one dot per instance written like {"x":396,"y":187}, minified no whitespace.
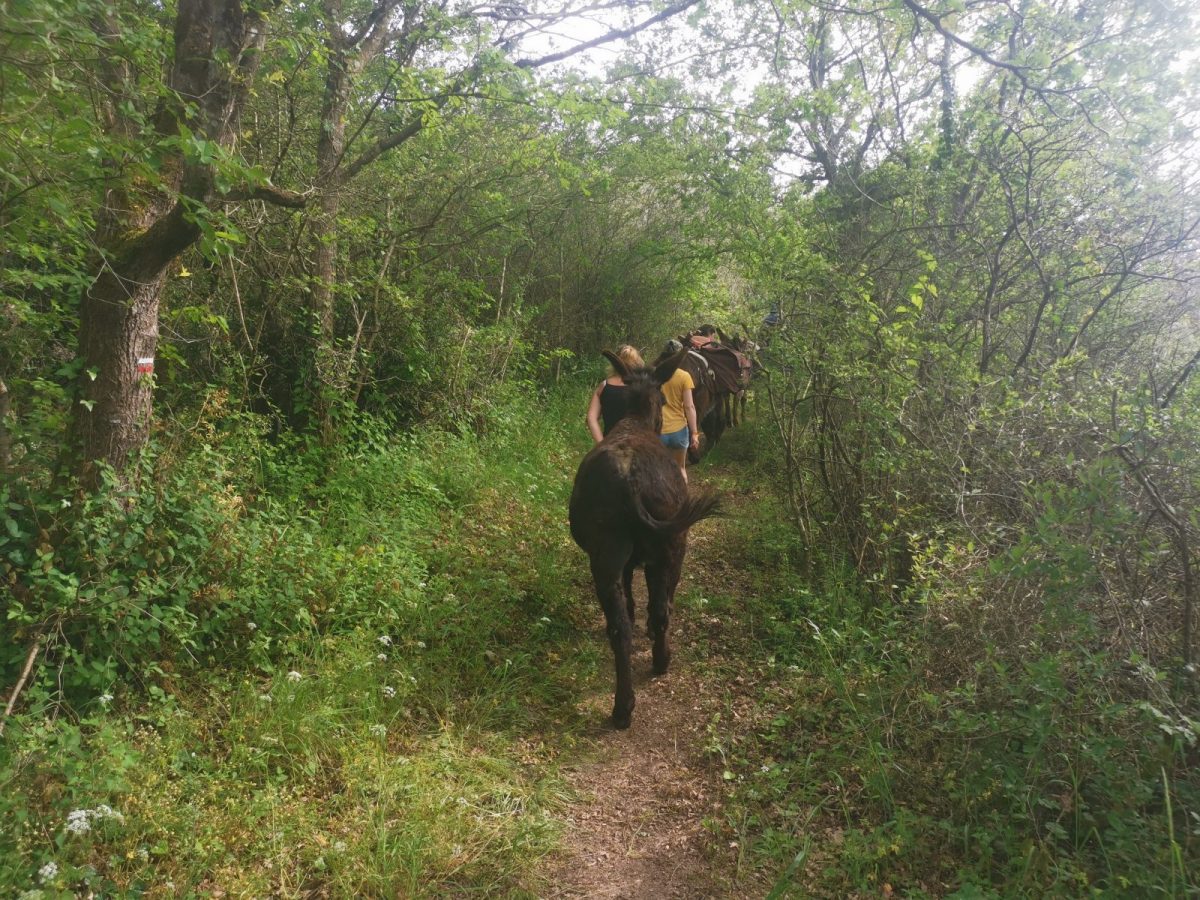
{"x":30,"y":657}
{"x":5,"y":440}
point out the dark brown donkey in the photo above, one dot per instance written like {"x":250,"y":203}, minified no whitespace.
{"x":631,"y":507}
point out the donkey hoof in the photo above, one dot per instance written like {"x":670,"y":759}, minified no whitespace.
{"x":622,"y":719}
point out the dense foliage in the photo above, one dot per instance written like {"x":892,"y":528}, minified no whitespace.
{"x":379,"y":632}
{"x":291,"y":313}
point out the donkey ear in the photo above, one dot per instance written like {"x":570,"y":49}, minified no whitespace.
{"x":618,"y":366}
{"x":665,"y":369}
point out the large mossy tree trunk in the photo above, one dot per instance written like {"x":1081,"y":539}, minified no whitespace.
{"x":118,"y":336}
{"x":148,"y":221}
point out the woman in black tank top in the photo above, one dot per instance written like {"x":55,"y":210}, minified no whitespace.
{"x":612,"y":404}
{"x":608,"y":400}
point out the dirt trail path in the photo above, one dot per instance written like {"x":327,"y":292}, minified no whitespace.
{"x":638,"y":830}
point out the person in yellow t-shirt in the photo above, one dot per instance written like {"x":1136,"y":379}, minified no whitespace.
{"x":679,"y":429}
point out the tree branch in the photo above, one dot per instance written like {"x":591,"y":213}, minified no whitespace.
{"x":269,"y":194}
{"x":615,"y":34}
{"x":1179,"y":380}
{"x":393,"y":140}
{"x":976,"y":50}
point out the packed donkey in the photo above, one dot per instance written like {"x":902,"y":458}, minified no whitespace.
{"x":745,"y":351}
{"x":727,"y":365}
{"x":631,"y":507}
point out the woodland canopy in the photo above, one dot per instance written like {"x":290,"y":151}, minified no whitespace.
{"x":284,"y":286}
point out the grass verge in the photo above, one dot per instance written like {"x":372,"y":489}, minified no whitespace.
{"x":373,"y":699}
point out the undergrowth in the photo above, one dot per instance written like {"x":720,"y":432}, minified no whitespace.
{"x":897,"y":748}
{"x":290,"y":671}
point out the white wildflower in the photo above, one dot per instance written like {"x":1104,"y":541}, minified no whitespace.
{"x":251,"y":626}
{"x":35,"y":893}
{"x":143,"y":854}
{"x":379,"y":730}
{"x":385,"y":640}
{"x":265,"y":698}
{"x":105,"y":699}
{"x":79,"y":821}
{"x":48,"y":871}
{"x":382,"y":657}
{"x":389,"y":692}
{"x":420,"y":645}
{"x":339,"y":846}
{"x":294,"y":676}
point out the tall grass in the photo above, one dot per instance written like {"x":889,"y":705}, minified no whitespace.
{"x":374,"y":677}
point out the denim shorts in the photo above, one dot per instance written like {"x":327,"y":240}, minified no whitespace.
{"x":676,"y":440}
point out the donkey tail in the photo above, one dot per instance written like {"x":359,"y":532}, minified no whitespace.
{"x":698,"y":506}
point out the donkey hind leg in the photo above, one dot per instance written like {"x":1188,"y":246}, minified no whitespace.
{"x":608,"y":573}
{"x":661,"y":578}
{"x":627,"y":585}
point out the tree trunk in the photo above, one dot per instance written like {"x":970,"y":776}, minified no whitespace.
{"x":118,"y":337}
{"x":144,"y":226}
{"x":5,"y":440}
{"x":326,"y":385}
{"x":946,"y":119}
{"x":326,"y":382}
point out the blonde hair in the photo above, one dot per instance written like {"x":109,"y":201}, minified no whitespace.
{"x":630,"y":356}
